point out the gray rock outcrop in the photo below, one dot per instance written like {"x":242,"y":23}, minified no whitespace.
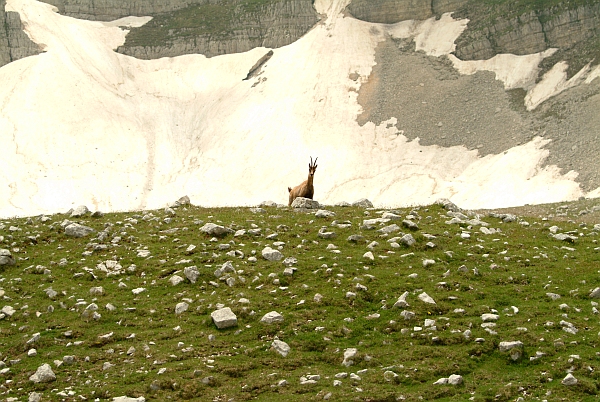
{"x":6,"y":258}
{"x":44,"y":373}
{"x":391,"y":11}
{"x":14,"y":42}
{"x":214,"y":28}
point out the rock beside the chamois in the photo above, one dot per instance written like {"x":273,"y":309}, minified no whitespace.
{"x":306,"y":203}
{"x":6,"y":258}
{"x":363,"y":203}
{"x":44,"y":373}
{"x":215,"y":230}
{"x":77,"y":230}
{"x":224,"y":318}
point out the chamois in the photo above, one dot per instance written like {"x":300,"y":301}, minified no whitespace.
{"x":305,"y":189}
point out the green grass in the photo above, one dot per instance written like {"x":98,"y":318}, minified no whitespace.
{"x":239,"y":364}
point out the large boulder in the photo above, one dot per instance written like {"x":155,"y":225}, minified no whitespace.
{"x":224,"y":318}
{"x":44,"y":373}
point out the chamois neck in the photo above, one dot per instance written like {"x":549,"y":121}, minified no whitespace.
{"x":310,"y":180}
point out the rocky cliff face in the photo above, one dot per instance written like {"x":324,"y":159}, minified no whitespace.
{"x":391,"y":11}
{"x":222,"y":27}
{"x":14,"y":43}
{"x":532,"y":32}
{"x":108,"y":10}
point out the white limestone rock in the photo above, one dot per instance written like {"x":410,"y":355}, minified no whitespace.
{"x":425,"y":298}
{"x":79,"y":212}
{"x":6,"y":258}
{"x":224,"y":318}
{"x":271,"y":318}
{"x":77,"y":230}
{"x":181,"y":307}
{"x":323,"y":213}
{"x":44,"y":373}
{"x":569,"y":380}
{"x":306,"y":203}
{"x":191,"y":273}
{"x":401,"y":302}
{"x":215,"y":230}
{"x":349,"y":355}
{"x":280,"y":347}
{"x":363,"y":203}
{"x":407,"y":240}
{"x":271,"y":255}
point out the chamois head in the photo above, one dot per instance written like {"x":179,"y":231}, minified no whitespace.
{"x":312,"y":166}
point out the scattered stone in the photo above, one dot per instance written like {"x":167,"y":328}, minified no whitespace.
{"x":280,"y":347}
{"x":191,"y":273}
{"x":565,"y":237}
{"x":489,"y":317}
{"x":79,"y":211}
{"x":401,"y":302}
{"x":408,"y":240}
{"x":389,"y":375}
{"x":363,"y":203}
{"x":410,"y":224}
{"x":77,"y":230}
{"x":349,"y":355}
{"x":595,"y":294}
{"x":129,"y":399}
{"x":271,"y":255}
{"x":215,"y":230}
{"x":424,"y":297}
{"x":569,"y":380}
{"x":455,"y":379}
{"x":271,"y":318}
{"x":44,"y":373}
{"x":181,"y":307}
{"x":355,"y":238}
{"x":224,"y":318}
{"x":369,"y":256}
{"x":323,"y":213}
{"x":6,"y":258}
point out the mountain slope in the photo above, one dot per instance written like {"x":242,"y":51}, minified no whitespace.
{"x":82,"y":124}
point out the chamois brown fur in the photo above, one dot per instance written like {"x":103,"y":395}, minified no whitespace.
{"x":305,"y":189}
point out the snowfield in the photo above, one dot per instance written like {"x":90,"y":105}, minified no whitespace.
{"x":82,"y":124}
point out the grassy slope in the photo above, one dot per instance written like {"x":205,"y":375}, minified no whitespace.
{"x":239,"y":364}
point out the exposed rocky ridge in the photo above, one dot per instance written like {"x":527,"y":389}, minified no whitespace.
{"x":108,"y":10}
{"x":219,"y":28}
{"x":391,"y":11}
{"x":555,"y":27}
{"x":14,"y":43}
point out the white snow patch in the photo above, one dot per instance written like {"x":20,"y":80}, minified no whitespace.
{"x":81,"y":124}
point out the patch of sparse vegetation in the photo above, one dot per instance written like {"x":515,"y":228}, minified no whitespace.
{"x":337,"y":298}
